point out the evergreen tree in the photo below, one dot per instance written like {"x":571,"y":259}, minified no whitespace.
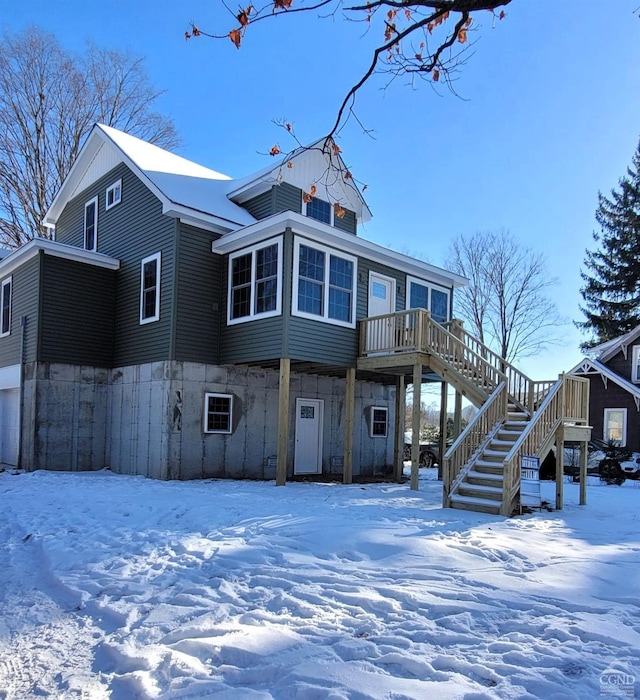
{"x":611,"y":290}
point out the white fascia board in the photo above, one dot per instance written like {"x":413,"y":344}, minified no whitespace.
{"x":348,"y":242}
{"x":621,"y":343}
{"x":583,"y":367}
{"x":59,"y":250}
{"x":198,"y":218}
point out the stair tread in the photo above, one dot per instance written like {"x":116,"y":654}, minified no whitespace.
{"x":474,"y":500}
{"x":482,"y":475}
{"x":481,"y":488}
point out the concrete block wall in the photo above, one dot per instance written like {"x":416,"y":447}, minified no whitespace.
{"x":148,"y":420}
{"x":64,"y":421}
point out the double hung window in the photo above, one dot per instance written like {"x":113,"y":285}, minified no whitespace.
{"x":379,"y":421}
{"x":5,"y":307}
{"x":113,"y":195}
{"x":150,"y":289}
{"x":254,"y":282}
{"x":324,"y":282}
{"x":91,"y":225}
{"x":615,"y":425}
{"x":218,"y":413}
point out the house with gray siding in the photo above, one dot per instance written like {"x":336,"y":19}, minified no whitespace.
{"x":182,"y":324}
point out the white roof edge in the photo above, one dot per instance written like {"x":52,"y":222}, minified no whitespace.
{"x":348,"y":242}
{"x":609,"y":348}
{"x":610,"y":374}
{"x":60,"y":250}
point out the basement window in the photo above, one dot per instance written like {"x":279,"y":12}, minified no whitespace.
{"x":379,"y":421}
{"x":218,"y":412}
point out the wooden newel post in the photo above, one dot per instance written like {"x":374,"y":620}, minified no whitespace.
{"x":415,"y":425}
{"x":349,"y":419}
{"x":398,"y":444}
{"x":560,"y":447}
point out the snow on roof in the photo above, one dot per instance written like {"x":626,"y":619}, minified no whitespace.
{"x":182,"y":181}
{"x":608,"y":349}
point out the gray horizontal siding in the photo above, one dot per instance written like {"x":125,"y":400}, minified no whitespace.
{"x":130,"y":231}
{"x":252,"y":341}
{"x":25,"y":297}
{"x":199,"y":301}
{"x":261,"y":206}
{"x":77,"y":314}
{"x":364,"y":267}
{"x":347,"y":222}
{"x":287,"y":198}
{"x":315,"y":341}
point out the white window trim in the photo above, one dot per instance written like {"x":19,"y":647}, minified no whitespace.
{"x":206,"y":413}
{"x":245,"y":251}
{"x":635,"y":362}
{"x":143,"y":262}
{"x":429,"y":285}
{"x":6,"y":283}
{"x":331,"y":211}
{"x":117,"y":184}
{"x":386,"y":427}
{"x":95,"y":224}
{"x":324,"y":318}
{"x":605,"y":424}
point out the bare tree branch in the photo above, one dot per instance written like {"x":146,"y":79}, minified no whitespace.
{"x":506,"y":302}
{"x":49,"y":100}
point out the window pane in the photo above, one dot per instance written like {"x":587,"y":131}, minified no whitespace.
{"x":340,"y":272}
{"x":267,"y":262}
{"x":89,"y":226}
{"x":241,"y":270}
{"x":241,"y":302}
{"x":311,"y":263}
{"x":418,"y":296}
{"x":266,"y":295}
{"x":310,"y":297}
{"x":319,"y":209}
{"x":149,"y":304}
{"x":439,"y":310}
{"x":339,"y":304}
{"x":149,"y":288}
{"x":614,"y":428}
{"x":149,"y":274}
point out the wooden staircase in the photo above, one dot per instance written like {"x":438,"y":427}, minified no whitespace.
{"x":517,"y":416}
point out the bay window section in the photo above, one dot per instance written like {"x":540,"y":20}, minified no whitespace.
{"x":254,"y":282}
{"x":324,"y":282}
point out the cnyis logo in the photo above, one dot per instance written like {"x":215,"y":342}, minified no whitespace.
{"x":617,"y":682}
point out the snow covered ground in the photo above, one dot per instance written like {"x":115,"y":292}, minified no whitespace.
{"x":121,"y":587}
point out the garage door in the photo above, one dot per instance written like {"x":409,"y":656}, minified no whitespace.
{"x":9,"y":413}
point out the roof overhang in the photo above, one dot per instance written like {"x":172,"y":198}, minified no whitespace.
{"x":588,"y":366}
{"x":347,"y":242}
{"x":59,"y":250}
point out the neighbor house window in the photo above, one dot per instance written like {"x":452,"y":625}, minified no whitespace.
{"x":113,"y":195}
{"x":379,"y":421}
{"x":324,"y":284}
{"x":91,"y":225}
{"x":319,"y":209}
{"x":5,"y":307}
{"x":218,"y":413}
{"x":635,"y":364}
{"x":425,"y":295}
{"x":254,"y":282}
{"x":150,"y":289}
{"x":615,"y":425}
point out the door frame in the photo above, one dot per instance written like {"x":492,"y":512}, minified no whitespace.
{"x":320,"y":405}
{"x":386,"y":278}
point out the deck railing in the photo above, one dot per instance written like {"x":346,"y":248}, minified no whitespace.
{"x":478,"y":432}
{"x":565,"y":401}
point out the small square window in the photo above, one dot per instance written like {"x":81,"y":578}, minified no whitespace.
{"x":114,"y":195}
{"x":218,"y":413}
{"x":379,"y":421}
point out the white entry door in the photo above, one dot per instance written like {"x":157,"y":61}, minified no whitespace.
{"x":382,"y":301}
{"x":9,"y":428}
{"x":308,"y":454}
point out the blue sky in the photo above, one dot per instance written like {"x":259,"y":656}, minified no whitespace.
{"x":548,"y":114}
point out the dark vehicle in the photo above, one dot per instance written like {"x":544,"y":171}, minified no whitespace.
{"x":429,"y":453}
